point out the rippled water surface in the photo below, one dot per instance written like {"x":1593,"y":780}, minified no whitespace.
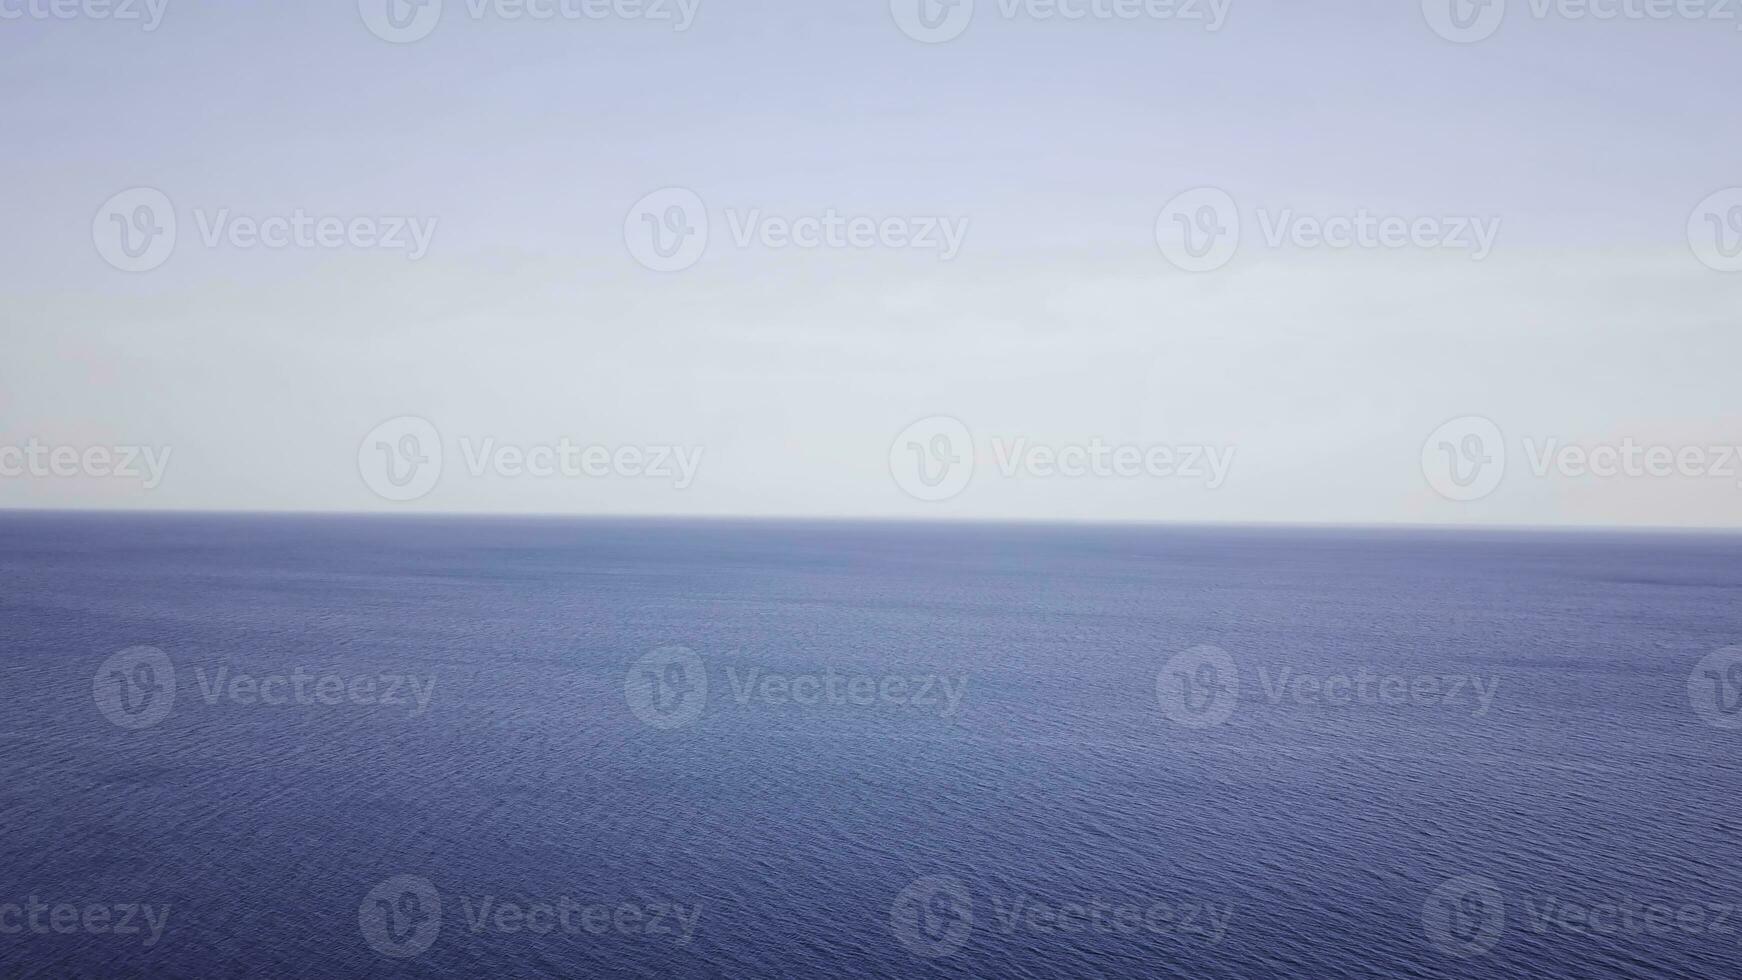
{"x":886,"y":750}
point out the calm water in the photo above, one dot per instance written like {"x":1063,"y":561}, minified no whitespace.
{"x":920,"y":751}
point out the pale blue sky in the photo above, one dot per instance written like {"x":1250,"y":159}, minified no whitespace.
{"x":1060,"y":321}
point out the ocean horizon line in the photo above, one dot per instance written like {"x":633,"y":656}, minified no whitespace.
{"x":884,"y":519}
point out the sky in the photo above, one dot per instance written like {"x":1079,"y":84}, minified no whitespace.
{"x":1374,"y":261}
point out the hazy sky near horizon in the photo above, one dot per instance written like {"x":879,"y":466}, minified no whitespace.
{"x":812,"y":381}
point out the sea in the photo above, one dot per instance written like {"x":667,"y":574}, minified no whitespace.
{"x":332,"y":746}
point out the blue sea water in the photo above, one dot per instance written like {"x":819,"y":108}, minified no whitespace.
{"x":990,"y":774}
